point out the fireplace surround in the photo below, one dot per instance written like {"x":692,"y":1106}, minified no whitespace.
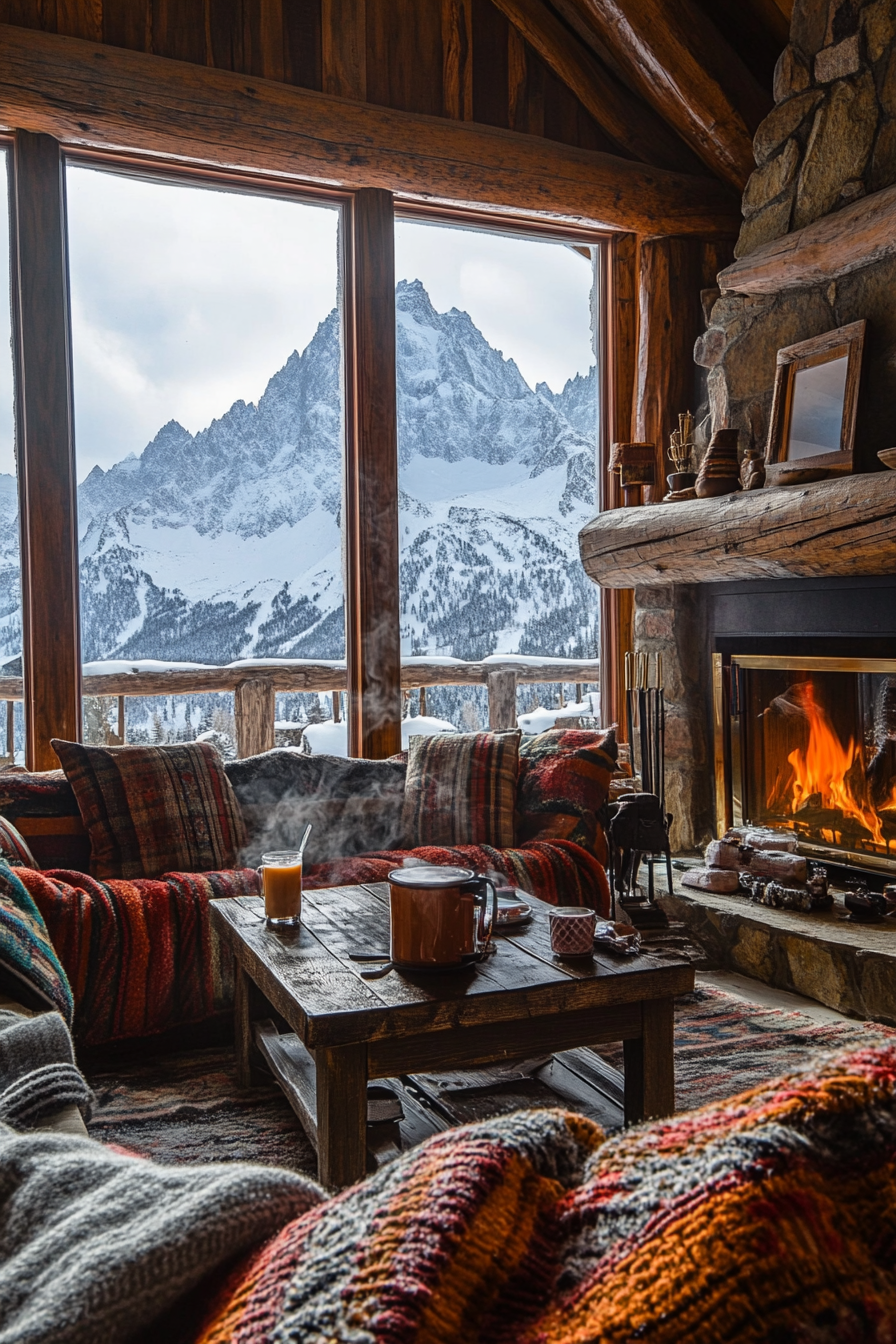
{"x":700,"y":628}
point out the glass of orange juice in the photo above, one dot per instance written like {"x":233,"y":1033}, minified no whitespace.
{"x":281,"y":875}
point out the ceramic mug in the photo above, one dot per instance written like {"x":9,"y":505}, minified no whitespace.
{"x":572,"y":930}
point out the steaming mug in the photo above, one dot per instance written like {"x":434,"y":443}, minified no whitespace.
{"x":439,"y":917}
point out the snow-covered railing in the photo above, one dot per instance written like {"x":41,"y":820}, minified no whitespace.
{"x":255,"y":682}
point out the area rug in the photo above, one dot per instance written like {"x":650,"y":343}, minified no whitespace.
{"x":725,"y":1045}
{"x":186,"y":1107}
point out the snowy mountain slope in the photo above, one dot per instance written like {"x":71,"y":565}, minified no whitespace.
{"x":226,"y":543}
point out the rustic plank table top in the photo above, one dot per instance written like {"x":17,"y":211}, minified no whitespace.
{"x":521,"y":1000}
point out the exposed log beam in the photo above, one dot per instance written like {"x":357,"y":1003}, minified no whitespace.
{"x":820,"y":252}
{"x":845,"y":526}
{"x":105,"y":97}
{"x":634,"y":126}
{"x":683,"y":67}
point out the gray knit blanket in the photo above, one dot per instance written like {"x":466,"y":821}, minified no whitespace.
{"x":95,"y":1246}
{"x":38,"y":1074}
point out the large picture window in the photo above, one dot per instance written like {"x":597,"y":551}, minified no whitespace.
{"x":209,"y":436}
{"x":498,"y":415}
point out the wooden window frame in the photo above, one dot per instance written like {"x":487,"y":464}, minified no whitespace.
{"x":51,"y":648}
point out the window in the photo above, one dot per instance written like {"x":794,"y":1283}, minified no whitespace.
{"x":498,"y":413}
{"x":12,"y":724}
{"x":209,"y":436}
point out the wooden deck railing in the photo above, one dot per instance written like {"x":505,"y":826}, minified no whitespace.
{"x":255,"y":684}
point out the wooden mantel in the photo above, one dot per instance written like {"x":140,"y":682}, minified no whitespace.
{"x":822,"y":251}
{"x":843,"y":527}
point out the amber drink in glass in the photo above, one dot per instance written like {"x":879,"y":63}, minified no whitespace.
{"x":281,"y":875}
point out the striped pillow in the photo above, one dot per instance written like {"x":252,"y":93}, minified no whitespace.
{"x":14,"y":847}
{"x":461,"y":789}
{"x":154,"y":810}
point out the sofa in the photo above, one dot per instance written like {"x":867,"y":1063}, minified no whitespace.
{"x":140,"y":953}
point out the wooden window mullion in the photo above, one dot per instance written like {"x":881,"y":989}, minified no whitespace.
{"x":373,"y":643}
{"x":45,"y":451}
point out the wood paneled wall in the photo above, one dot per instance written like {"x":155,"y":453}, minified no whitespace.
{"x":451,"y":58}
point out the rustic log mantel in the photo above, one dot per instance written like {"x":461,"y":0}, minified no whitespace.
{"x":825,"y":250}
{"x":845,"y":526}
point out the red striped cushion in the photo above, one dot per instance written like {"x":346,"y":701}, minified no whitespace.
{"x":461,"y":789}
{"x":154,"y":810}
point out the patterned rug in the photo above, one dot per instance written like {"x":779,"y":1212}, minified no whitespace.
{"x":186,"y":1107}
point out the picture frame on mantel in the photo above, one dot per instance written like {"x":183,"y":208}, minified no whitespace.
{"x":813,"y":420}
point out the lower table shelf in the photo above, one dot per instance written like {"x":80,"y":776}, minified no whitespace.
{"x":578,"y":1079}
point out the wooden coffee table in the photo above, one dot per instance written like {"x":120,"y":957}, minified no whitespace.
{"x":518,"y":1003}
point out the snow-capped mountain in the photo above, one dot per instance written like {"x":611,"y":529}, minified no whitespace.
{"x":226,"y":543}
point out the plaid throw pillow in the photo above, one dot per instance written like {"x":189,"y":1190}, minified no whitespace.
{"x":564,"y":781}
{"x":461,"y":789}
{"x":14,"y":847}
{"x":29,"y":968}
{"x":154,"y":810}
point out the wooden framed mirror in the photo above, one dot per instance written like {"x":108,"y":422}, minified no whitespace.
{"x":814,"y":407}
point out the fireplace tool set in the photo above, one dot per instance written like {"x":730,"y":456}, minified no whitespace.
{"x":639,"y":825}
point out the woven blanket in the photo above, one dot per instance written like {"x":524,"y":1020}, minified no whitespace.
{"x":768,"y":1218}
{"x":141,"y":956}
{"x":557,"y":871}
{"x":95,"y":1245}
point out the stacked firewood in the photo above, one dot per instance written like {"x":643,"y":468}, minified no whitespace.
{"x":763,"y":865}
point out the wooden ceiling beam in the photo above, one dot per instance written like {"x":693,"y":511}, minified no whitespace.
{"x":632,"y":124}
{"x":105,"y":97}
{"x":679,"y":62}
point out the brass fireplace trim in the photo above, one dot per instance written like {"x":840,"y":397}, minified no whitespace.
{"x":729,"y":805}
{"x":791,"y":663}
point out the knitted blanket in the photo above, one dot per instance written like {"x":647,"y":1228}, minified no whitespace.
{"x":38,"y":1075}
{"x":95,"y":1245}
{"x":768,"y":1218}
{"x":141,"y":956}
{"x":558,"y":871}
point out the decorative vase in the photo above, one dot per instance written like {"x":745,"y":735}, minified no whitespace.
{"x":719,"y":474}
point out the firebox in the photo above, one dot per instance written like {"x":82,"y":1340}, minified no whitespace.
{"x":808,"y":745}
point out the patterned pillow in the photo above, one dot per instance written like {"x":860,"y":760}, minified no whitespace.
{"x":564,"y":781}
{"x":461,"y":789}
{"x":29,"y":968}
{"x":14,"y":847}
{"x":153,"y":810}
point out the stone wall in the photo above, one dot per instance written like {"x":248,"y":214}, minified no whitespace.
{"x":830,"y":139}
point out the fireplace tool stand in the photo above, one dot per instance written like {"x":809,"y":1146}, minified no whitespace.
{"x":639,"y":828}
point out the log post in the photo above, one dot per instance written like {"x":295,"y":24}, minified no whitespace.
{"x":254,"y":708}
{"x":501,"y":699}
{"x":51,"y":652}
{"x":373,"y":643}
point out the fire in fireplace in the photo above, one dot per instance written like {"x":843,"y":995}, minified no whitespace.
{"x":808,"y":745}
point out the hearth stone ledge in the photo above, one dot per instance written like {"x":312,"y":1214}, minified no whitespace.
{"x":848,"y":967}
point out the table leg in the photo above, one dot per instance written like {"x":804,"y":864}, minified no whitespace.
{"x":243,"y":1026}
{"x":649,"y":1063}
{"x":341,"y":1087}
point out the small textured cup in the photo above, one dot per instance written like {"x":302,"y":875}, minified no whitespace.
{"x":281,"y":875}
{"x":572,"y":931}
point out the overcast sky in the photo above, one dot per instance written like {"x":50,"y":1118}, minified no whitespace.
{"x":185,"y":300}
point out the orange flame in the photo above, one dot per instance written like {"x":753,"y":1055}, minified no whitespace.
{"x":822,"y":770}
